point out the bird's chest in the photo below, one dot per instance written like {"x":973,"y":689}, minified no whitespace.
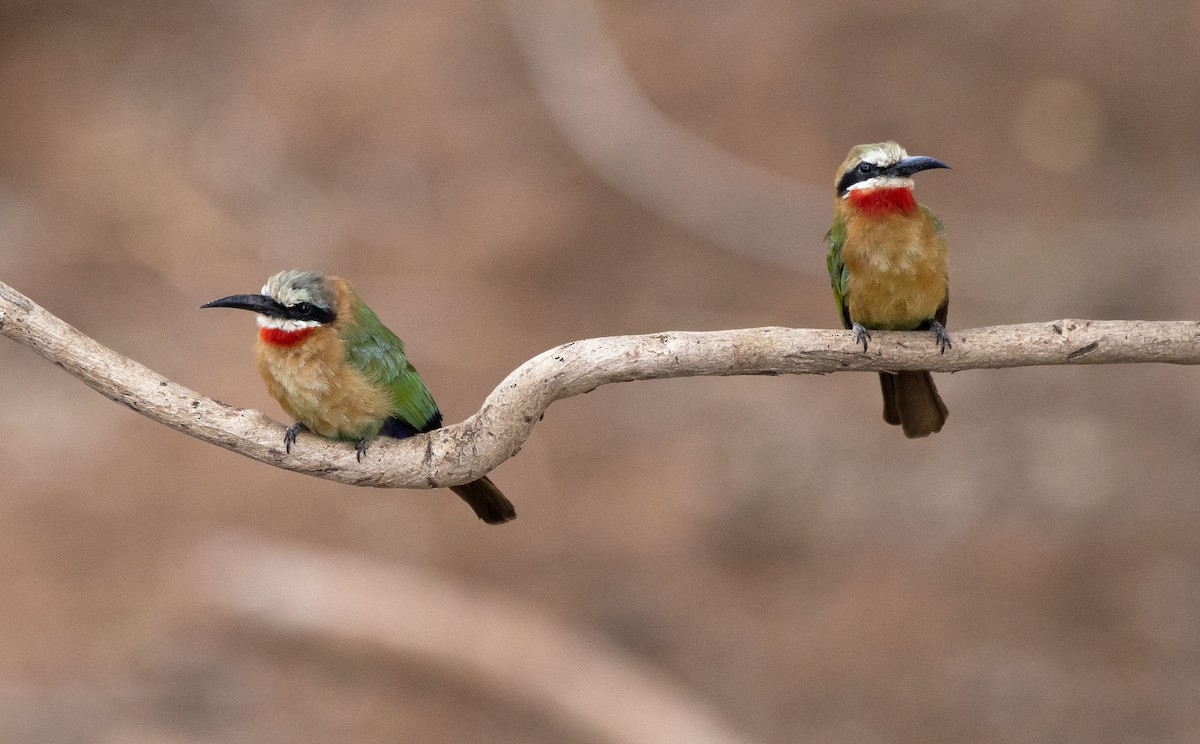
{"x":896,"y":272}
{"x":316,"y":385}
{"x":299,"y":373}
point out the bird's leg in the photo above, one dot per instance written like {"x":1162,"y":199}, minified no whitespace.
{"x":289,"y":436}
{"x":361,"y":447}
{"x":861,"y":334}
{"x":941,"y":337}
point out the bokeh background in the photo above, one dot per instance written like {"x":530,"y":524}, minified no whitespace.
{"x":500,"y":177}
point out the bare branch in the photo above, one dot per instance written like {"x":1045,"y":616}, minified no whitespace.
{"x":462,"y":452}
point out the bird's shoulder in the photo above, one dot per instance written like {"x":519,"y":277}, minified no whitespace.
{"x":835,"y":239}
{"x":371,"y":346}
{"x":937,"y":224}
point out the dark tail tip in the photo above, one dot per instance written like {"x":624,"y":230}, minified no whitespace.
{"x":911,"y":400}
{"x":489,"y":504}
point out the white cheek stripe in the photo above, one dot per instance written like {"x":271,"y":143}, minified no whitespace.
{"x":881,"y":182}
{"x":283,"y":324}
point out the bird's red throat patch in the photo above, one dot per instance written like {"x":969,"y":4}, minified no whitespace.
{"x":882,"y":200}
{"x":280,"y":337}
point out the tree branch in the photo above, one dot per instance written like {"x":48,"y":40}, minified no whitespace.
{"x":463,"y":452}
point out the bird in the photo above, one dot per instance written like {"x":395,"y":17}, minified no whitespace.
{"x":887,"y":264}
{"x":336,"y":369}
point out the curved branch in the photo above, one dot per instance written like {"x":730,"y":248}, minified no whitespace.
{"x":611,"y":124}
{"x":463,"y":452}
{"x":523,"y":655}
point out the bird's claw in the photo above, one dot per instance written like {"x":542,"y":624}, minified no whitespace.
{"x":361,"y":448}
{"x":289,"y":436}
{"x":861,"y":334}
{"x":941,"y":337}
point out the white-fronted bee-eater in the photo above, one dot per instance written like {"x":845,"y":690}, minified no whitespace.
{"x":340,"y":373}
{"x":887,"y":263}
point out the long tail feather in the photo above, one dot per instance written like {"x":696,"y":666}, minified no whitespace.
{"x":911,"y":401}
{"x":489,"y":504}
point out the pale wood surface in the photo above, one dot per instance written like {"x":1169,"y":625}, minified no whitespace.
{"x":468,"y":450}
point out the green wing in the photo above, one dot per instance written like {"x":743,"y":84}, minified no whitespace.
{"x":378,"y":353}
{"x":944,"y":310}
{"x":836,"y":237}
{"x":937,"y":224}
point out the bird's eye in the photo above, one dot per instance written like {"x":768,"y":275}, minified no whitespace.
{"x":303,"y":308}
{"x":865,"y":167}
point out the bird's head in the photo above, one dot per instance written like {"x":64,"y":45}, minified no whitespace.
{"x":292,"y":304}
{"x":880,"y":175}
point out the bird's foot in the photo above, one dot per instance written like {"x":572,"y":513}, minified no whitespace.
{"x":861,"y":334}
{"x":289,"y":436}
{"x":361,"y":448}
{"x":941,"y":337}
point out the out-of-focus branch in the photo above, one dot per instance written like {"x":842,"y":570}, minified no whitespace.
{"x":642,"y":153}
{"x":466,"y":451}
{"x":611,"y":124}
{"x":504,"y":647}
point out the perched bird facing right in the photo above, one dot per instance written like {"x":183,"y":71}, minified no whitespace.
{"x":887,"y":263}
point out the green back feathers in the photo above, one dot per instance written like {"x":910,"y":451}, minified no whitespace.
{"x":378,"y":354}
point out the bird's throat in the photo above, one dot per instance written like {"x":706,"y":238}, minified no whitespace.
{"x":883,"y":200}
{"x":281,"y":337}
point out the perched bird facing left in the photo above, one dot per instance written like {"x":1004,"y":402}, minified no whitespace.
{"x":887,"y":264}
{"x":335,"y":368}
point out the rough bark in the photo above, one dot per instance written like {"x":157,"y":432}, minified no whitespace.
{"x":465,"y":451}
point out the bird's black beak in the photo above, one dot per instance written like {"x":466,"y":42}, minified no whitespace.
{"x":260,"y":304}
{"x":909,"y":166}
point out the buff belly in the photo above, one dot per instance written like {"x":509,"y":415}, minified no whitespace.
{"x":314,"y":384}
{"x":897,"y":275}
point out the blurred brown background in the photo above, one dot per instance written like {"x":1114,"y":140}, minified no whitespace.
{"x":500,"y":177}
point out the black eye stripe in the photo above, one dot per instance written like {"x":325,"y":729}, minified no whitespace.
{"x":308,"y":311}
{"x":854,"y":175}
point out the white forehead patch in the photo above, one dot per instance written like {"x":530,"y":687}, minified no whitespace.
{"x":884,"y":153}
{"x":293,"y":286}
